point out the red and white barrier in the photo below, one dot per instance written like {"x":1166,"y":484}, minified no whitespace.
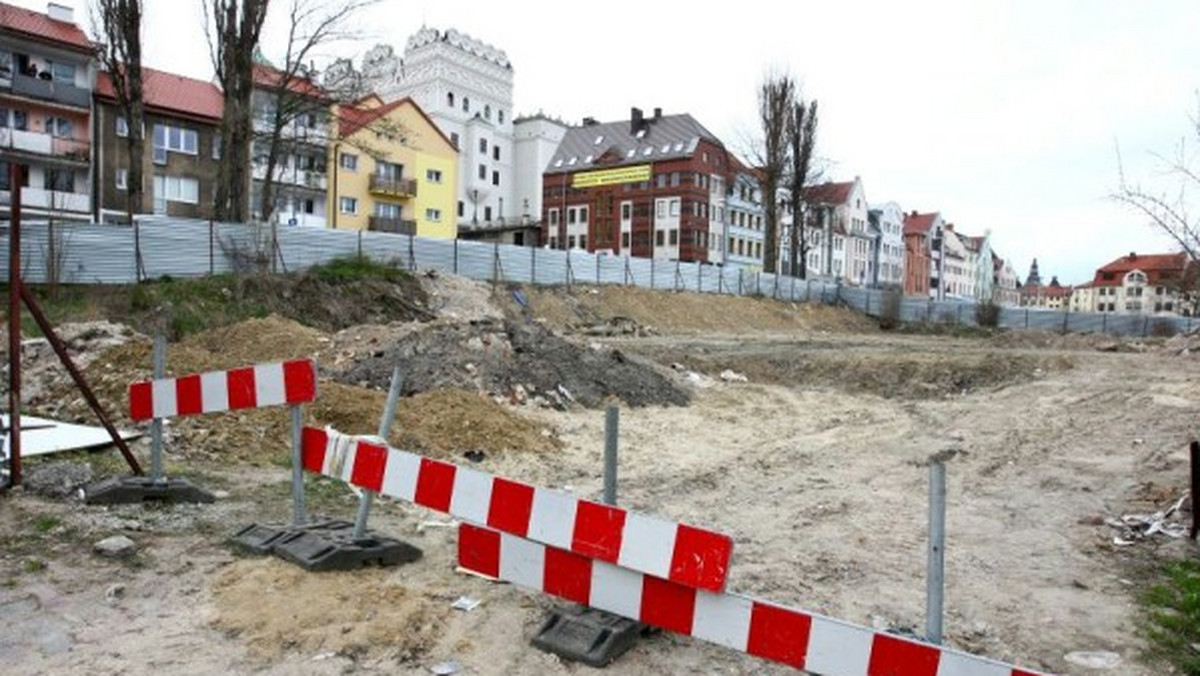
{"x":815,"y":643}
{"x":290,"y":382}
{"x":686,"y":555}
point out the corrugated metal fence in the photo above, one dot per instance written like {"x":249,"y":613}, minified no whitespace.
{"x":107,"y":254}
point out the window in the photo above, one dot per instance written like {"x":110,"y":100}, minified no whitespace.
{"x":583,"y":241}
{"x":59,"y":180}
{"x":674,"y":207}
{"x":554,"y":217}
{"x":122,"y":127}
{"x":466,"y":105}
{"x":309,"y":206}
{"x":626,"y":211}
{"x":483,"y":146}
{"x":500,"y":116}
{"x":1158,"y":291}
{"x":571,"y":214}
{"x":660,"y":208}
{"x":482,"y":172}
{"x":449,"y":99}
{"x":495,"y":178}
{"x":122,"y":179}
{"x":349,"y":162}
{"x":454,"y":139}
{"x":658,"y":237}
{"x":553,"y":242}
{"x":660,"y":181}
{"x":487,"y":112}
{"x":173,"y":139}
{"x":389,"y":170}
{"x":216,"y":146}
{"x":59,"y":126}
{"x":63,"y":72}
{"x":624,"y":240}
{"x":20,"y":120}
{"x":487,"y":213}
{"x":674,"y":179}
{"x":495,"y":152}
{"x":460,"y":208}
{"x":674,"y":239}
{"x":571,"y":242}
{"x":177,"y":189}
{"x":433,"y":176}
{"x":348,"y":205}
{"x":386,"y":210}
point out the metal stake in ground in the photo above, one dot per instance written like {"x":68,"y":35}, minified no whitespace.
{"x":935,"y":575}
{"x":588,"y":635}
{"x":156,"y":425}
{"x":385,"y":427}
{"x":298,"y":515}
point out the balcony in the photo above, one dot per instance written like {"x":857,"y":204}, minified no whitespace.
{"x":76,"y":151}
{"x":393,"y":187}
{"x":51,"y":200}
{"x":396,"y":226}
{"x":50,"y":90}
{"x":284,"y":177}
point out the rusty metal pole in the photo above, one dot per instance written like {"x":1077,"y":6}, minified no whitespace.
{"x":14,"y":325}
{"x":1195,"y":452}
{"x":35,"y":310}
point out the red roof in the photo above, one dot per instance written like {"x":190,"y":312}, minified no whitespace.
{"x":38,"y":26}
{"x":267,"y":76}
{"x":172,"y":93}
{"x":352,"y":119}
{"x":829,"y":193}
{"x":1159,"y":269}
{"x":919,"y":224}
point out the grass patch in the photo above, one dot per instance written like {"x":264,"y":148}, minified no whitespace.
{"x":45,"y":524}
{"x":353,"y":269}
{"x":1171,"y":617}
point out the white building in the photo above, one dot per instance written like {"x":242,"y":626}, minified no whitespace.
{"x":301,"y":181}
{"x":536,"y":138}
{"x":744,"y":222}
{"x":888,"y":218}
{"x":466,"y":88}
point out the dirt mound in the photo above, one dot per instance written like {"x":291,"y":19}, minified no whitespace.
{"x":512,"y":359}
{"x":254,"y":341}
{"x":458,"y":298}
{"x":352,"y":613}
{"x":451,"y":422}
{"x":331,"y":305}
{"x":585,"y":306}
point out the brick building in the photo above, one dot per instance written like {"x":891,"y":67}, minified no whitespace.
{"x":649,"y":187}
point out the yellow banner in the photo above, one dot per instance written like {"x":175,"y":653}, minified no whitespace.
{"x":592,"y":179}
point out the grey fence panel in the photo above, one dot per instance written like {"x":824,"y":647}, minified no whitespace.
{"x":583,"y":267}
{"x":551,"y":267}
{"x":383,"y":247}
{"x":639,"y":271}
{"x":475,"y":260}
{"x":513,"y":264}
{"x":612,"y":269}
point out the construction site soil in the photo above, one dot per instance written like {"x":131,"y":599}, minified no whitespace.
{"x":802,"y":431}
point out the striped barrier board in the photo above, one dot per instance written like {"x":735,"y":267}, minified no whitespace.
{"x":279,"y":383}
{"x":815,"y":643}
{"x":686,"y":555}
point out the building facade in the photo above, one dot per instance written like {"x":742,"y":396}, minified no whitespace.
{"x":743,"y":245}
{"x":394,"y":171}
{"x":301,"y":179}
{"x":920,"y":265}
{"x":182,"y":151}
{"x":650,"y":187}
{"x":47,"y":74}
{"x":841,"y":238}
{"x":1149,"y":284}
{"x":888,"y":219}
{"x":466,"y":88}
{"x":1052,"y":296}
{"x":1004,"y":282}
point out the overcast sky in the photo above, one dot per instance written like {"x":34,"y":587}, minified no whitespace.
{"x":1002,"y":115}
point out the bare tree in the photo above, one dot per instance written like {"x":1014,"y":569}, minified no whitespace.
{"x":119,"y":50}
{"x":776,"y":96}
{"x":292,"y":100}
{"x":1170,"y":210}
{"x":233,"y":28}
{"x":801,"y":141}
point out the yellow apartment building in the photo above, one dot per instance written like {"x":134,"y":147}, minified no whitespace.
{"x":393,"y":171}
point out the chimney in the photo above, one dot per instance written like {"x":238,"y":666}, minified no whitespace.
{"x":60,"y":12}
{"x":636,"y":120}
{"x":658,"y":114}
{"x":589,"y":121}
{"x":1133,"y":255}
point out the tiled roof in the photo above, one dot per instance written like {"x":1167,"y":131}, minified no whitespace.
{"x":38,"y":26}
{"x":266,"y":76}
{"x":829,"y":193}
{"x":919,"y":224}
{"x":172,"y":93}
{"x":351,"y":119}
{"x":666,"y":138}
{"x":1159,"y":268}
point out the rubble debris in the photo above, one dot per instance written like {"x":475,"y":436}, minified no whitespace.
{"x":1136,"y":527}
{"x":116,"y":547}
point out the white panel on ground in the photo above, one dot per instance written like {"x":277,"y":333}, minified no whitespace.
{"x":40,"y":436}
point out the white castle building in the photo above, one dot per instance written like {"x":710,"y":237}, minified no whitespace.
{"x":466,"y":87}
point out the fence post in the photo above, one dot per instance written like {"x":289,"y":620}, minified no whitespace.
{"x":1066,"y":320}
{"x":740,"y":271}
{"x":721,"y":280}
{"x":385,"y":427}
{"x":678,"y":283}
{"x":652,"y":272}
{"x":496,"y":262}
{"x":456,"y":255}
{"x":758,"y":283}
{"x":567,"y":253}
{"x":597,"y":255}
{"x":792,"y":293}
{"x":699,"y":277}
{"x":533,"y":264}
{"x":960,"y":307}
{"x":1145,"y":326}
{"x":212,"y":262}
{"x":360,"y":245}
{"x":1103,"y":322}
{"x":412,"y":254}
{"x":867,"y":311}
{"x":274,"y":247}
{"x":935,"y":572}
{"x":156,"y":425}
{"x":1026,"y":317}
{"x":1195,"y":458}
{"x":628,"y":273}
{"x":808,"y":291}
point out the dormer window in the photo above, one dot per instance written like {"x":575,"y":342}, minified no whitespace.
{"x":449,"y":99}
{"x":466,"y":105}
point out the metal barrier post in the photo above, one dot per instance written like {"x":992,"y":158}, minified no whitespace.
{"x":935,"y":573}
{"x":611,"y":421}
{"x":456,"y":255}
{"x":533,"y":264}
{"x":298,"y":516}
{"x":156,"y":425}
{"x":385,"y":427}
